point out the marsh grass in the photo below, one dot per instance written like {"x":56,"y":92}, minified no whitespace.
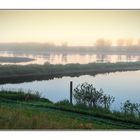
{"x":14,"y":73}
{"x":29,"y":118}
{"x":38,"y":113}
{"x":20,"y":95}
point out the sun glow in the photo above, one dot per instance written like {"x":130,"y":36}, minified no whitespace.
{"x":76,"y":27}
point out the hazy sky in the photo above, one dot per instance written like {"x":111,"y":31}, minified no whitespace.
{"x":77,"y":27}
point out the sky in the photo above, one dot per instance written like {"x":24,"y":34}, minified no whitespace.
{"x":76,"y":27}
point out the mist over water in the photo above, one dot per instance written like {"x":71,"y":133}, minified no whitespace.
{"x":67,"y":58}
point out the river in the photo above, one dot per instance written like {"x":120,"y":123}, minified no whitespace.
{"x":121,"y":85}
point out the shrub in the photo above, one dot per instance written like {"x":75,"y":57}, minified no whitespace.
{"x":107,"y":100}
{"x":86,"y":94}
{"x":132,"y":109}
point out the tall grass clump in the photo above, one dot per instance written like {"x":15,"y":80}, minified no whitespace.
{"x":63,"y":102}
{"x":20,"y":95}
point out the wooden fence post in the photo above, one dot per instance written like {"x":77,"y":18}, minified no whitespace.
{"x":71,"y":86}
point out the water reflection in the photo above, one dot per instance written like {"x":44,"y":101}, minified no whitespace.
{"x":65,"y":58}
{"x":121,"y":85}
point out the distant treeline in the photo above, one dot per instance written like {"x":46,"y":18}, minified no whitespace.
{"x":100,"y":46}
{"x":17,"y":73}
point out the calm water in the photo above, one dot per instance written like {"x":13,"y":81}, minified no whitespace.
{"x":63,"y":58}
{"x":121,"y":85}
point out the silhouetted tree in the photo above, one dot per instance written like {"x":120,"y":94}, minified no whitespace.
{"x":102,"y":44}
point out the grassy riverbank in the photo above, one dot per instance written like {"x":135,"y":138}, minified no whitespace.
{"x":21,"y":110}
{"x":16,"y":73}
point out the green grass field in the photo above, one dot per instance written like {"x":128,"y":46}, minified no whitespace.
{"x":19,"y":112}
